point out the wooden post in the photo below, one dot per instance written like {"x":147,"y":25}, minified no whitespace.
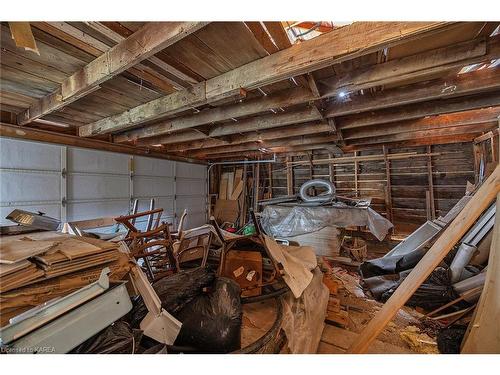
{"x":356,"y":173}
{"x":331,"y":169}
{"x":289,"y":176}
{"x":388,"y":187}
{"x":243,"y":197}
{"x":270,"y":172}
{"x":257,"y":188}
{"x":431,"y":183}
{"x":465,"y":219}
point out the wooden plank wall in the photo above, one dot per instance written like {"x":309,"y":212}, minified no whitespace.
{"x":409,"y":178}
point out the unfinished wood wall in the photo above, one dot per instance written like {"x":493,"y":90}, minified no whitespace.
{"x":420,"y":188}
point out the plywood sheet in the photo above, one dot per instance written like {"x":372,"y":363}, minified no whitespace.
{"x":15,"y":251}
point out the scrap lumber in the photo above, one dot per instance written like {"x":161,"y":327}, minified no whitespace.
{"x":482,"y":335}
{"x":27,"y":294}
{"x":16,"y":249}
{"x":453,"y":233}
{"x":23,"y":36}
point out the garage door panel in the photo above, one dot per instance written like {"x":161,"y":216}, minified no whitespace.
{"x":195,"y":220}
{"x":92,"y":161}
{"x":86,"y":186}
{"x":153,"y":167}
{"x":192,"y":204}
{"x":191,"y":170}
{"x":18,"y":186}
{"x":190,"y":186}
{"x":89,"y":210}
{"x":153,"y":186}
{"x":29,"y":155}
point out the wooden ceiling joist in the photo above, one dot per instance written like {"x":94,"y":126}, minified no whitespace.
{"x":289,"y":131}
{"x":422,"y":134}
{"x":465,"y":84}
{"x":145,"y":42}
{"x":479,"y":116}
{"x":419,"y":110}
{"x":338,"y":45}
{"x":254,"y":146}
{"x":23,"y":132}
{"x":284,"y":98}
{"x":439,"y":140}
{"x":420,"y":65}
{"x":252,"y":124}
{"x":267,"y":122}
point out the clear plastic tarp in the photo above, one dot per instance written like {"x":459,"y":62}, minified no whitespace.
{"x":288,"y":221}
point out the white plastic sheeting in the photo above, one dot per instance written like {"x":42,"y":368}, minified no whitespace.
{"x":289,"y":221}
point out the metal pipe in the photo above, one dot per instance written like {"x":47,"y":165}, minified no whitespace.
{"x":468,"y":246}
{"x":327,"y":196}
{"x":474,"y":282}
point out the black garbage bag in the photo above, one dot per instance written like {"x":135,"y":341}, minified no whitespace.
{"x":211,"y":322}
{"x":390,"y":265}
{"x":174,"y":292}
{"x":450,"y":339}
{"x":118,"y":338}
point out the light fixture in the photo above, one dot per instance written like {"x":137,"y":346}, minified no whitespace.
{"x":342,"y":94}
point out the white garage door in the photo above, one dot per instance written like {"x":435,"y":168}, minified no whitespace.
{"x":71,"y":183}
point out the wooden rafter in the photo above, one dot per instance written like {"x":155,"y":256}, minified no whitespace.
{"x":465,"y":84}
{"x":479,"y":116}
{"x":419,"y":110}
{"x":222,"y":113}
{"x":339,"y":45}
{"x":147,"y":41}
{"x":253,"y":146}
{"x":13,"y":131}
{"x":289,"y":131}
{"x":469,"y":83}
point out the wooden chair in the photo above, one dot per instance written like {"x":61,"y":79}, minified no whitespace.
{"x":154,"y":245}
{"x":180,"y":226}
{"x":193,"y":245}
{"x":271,"y":277}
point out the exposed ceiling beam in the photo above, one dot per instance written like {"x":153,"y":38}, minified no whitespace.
{"x":147,"y":41}
{"x":267,"y":122}
{"x":437,"y":132}
{"x":485,"y":115}
{"x":480,"y":80}
{"x":417,"y":66}
{"x":269,"y":151}
{"x":255,"y":146}
{"x":419,"y":110}
{"x":248,"y":107}
{"x":289,"y":131}
{"x":336,"y":46}
{"x":23,"y":132}
{"x":463,"y":84}
{"x":438,"y":140}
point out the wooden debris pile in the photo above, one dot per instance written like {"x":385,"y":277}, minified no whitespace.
{"x":39,"y":267}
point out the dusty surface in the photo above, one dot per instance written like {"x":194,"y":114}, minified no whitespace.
{"x":406,"y":331}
